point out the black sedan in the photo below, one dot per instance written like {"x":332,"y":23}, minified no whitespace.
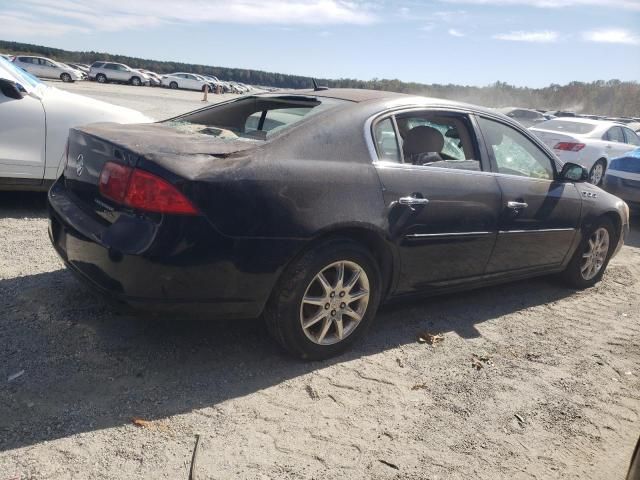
{"x":311,"y":208}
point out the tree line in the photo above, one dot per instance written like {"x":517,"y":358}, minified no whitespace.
{"x":601,"y":97}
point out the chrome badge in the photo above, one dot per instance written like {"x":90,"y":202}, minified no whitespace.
{"x":79,"y":165}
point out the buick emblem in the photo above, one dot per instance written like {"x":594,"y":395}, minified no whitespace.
{"x":79,"y":165}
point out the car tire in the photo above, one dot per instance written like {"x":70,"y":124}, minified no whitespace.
{"x":590,"y":260}
{"x":101,"y":78}
{"x":173,"y":85}
{"x":135,"y":81}
{"x":334,"y":322}
{"x":596,"y":174}
{"x":66,"y":78}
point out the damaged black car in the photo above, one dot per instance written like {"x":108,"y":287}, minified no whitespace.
{"x":311,"y":208}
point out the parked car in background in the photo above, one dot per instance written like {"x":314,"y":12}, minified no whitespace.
{"x":274,"y":204}
{"x":105,"y":72}
{"x":623,"y":178}
{"x":523,"y":116}
{"x":590,"y":143}
{"x":6,"y":56}
{"x":561,"y":113}
{"x":80,"y":66}
{"x":635,"y":126}
{"x":154,"y":78}
{"x":34,"y":125}
{"x":183,"y":80}
{"x":43,"y":67}
{"x":79,"y":70}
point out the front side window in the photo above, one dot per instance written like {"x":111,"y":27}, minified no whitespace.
{"x":631,"y":136}
{"x":513,"y":153}
{"x":615,"y":134}
{"x":386,"y":142}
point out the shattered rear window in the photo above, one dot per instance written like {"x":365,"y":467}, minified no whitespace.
{"x":254,"y":117}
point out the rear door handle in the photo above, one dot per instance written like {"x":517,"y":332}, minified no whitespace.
{"x":412,"y":201}
{"x":517,"y":205}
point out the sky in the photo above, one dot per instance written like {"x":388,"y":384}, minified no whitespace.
{"x":469,"y":42}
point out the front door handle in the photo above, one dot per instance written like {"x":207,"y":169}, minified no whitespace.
{"x":517,"y":205}
{"x":412,"y":201}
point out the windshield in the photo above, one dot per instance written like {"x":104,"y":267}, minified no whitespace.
{"x":25,"y":79}
{"x":569,"y":127}
{"x":254,"y":118}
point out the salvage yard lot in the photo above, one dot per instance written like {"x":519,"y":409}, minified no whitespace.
{"x":157,"y":102}
{"x":531,"y":380}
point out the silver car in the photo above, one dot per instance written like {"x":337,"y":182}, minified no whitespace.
{"x":43,"y":67}
{"x":105,"y":72}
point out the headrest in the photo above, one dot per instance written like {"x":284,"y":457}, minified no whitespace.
{"x":423,"y":139}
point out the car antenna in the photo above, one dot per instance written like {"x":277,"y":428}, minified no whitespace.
{"x":316,"y":87}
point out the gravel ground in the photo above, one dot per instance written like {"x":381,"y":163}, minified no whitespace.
{"x":555,"y":392}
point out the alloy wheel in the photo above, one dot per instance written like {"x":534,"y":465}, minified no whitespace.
{"x":596,"y":254}
{"x":597,"y":172}
{"x":334,"y":302}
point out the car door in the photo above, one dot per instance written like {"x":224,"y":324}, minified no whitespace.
{"x":192,"y":82}
{"x":22,"y":137}
{"x":30,"y":64}
{"x":540,"y":214}
{"x":442,"y":203}
{"x":615,"y":142}
{"x":49,"y":70}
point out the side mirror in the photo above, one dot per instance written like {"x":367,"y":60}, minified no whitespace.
{"x":10,"y":89}
{"x":572,"y":172}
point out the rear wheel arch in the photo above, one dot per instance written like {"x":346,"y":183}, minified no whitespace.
{"x":367,"y":237}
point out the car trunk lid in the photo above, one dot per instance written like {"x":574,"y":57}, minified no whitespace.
{"x":552,"y":138}
{"x":175,"y":154}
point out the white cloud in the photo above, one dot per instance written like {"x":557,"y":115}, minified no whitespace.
{"x":455,"y":33}
{"x":20,"y":24}
{"x":612,"y":4}
{"x":428,"y":27}
{"x":63,"y":16}
{"x":612,"y":35}
{"x":545,"y":36}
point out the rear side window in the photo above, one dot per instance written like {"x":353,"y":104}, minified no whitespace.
{"x":513,"y":153}
{"x":255,"y":117}
{"x":97,"y":64}
{"x":438,"y":139}
{"x":386,"y":141}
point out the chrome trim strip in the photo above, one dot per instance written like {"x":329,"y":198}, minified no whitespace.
{"x":541,"y":230}
{"x":452,"y":234}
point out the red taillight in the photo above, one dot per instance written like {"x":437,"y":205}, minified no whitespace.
{"x":114,"y":180}
{"x":569,"y":146}
{"x":142,"y":190}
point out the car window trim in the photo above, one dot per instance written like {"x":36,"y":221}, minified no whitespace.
{"x":543,"y":148}
{"x":374,"y":119}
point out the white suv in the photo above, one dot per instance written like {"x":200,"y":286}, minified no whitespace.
{"x":43,"y":67}
{"x":104,"y":72}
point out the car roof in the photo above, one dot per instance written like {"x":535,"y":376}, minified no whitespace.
{"x":384,"y":98}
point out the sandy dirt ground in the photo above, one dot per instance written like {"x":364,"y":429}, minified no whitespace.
{"x":531,"y":381}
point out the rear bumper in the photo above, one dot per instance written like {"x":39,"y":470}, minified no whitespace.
{"x":177,"y":265}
